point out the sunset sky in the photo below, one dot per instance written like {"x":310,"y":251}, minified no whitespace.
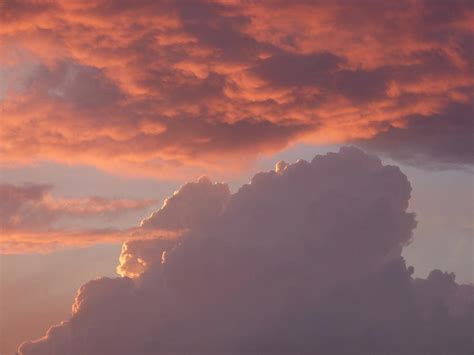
{"x":235,"y":176}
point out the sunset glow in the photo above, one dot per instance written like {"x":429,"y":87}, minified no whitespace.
{"x":281,"y":176}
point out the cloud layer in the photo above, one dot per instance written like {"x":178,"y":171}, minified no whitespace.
{"x":176,"y":88}
{"x":436,"y":141}
{"x":31,"y":218}
{"x":303,"y":259}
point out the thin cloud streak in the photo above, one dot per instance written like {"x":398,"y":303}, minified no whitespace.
{"x":29,"y":217}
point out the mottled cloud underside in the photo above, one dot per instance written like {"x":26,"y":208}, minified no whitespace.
{"x":170,"y":88}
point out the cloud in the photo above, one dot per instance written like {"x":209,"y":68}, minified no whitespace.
{"x":139,"y":255}
{"x":303,"y":259}
{"x":32,"y":206}
{"x":32,"y":219}
{"x":54,"y":239}
{"x":170,"y":89}
{"x":83,"y":87}
{"x":18,"y":201}
{"x":439,"y":140}
{"x":193,"y":205}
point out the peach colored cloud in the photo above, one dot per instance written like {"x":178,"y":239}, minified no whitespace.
{"x":29,"y":212}
{"x":47,"y":241}
{"x":32,"y":206}
{"x":29,"y":217}
{"x":178,"y":88}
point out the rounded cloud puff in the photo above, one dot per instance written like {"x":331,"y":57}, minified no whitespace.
{"x":192,"y":205}
{"x":305,"y":259}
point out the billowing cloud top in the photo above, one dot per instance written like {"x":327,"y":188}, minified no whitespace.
{"x":178,"y":87}
{"x":304,"y":259}
{"x":193,"y":205}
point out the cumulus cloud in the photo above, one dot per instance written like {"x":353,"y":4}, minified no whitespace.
{"x":303,"y":259}
{"x":30,"y":216}
{"x":193,"y":205}
{"x":171,"y":88}
{"x":139,"y":255}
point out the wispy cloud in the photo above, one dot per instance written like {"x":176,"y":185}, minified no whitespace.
{"x":29,"y":216}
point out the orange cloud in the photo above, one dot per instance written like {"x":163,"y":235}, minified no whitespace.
{"x":32,"y":206}
{"x":177,"y":88}
{"x":30,"y":219}
{"x":27,"y":242}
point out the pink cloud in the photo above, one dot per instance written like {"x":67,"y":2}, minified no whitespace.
{"x":29,"y":215}
{"x":178,"y":89}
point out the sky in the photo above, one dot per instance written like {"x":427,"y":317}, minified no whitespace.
{"x":236,"y":176}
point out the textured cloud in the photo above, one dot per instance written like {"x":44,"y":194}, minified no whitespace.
{"x":30,"y":206}
{"x":178,"y":88}
{"x":302,"y":259}
{"x":139,"y":255}
{"x":193,"y":205}
{"x":30,"y":216}
{"x":438,"y":140}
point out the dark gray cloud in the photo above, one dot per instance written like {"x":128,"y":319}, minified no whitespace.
{"x":324,"y":71}
{"x":440,"y":140}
